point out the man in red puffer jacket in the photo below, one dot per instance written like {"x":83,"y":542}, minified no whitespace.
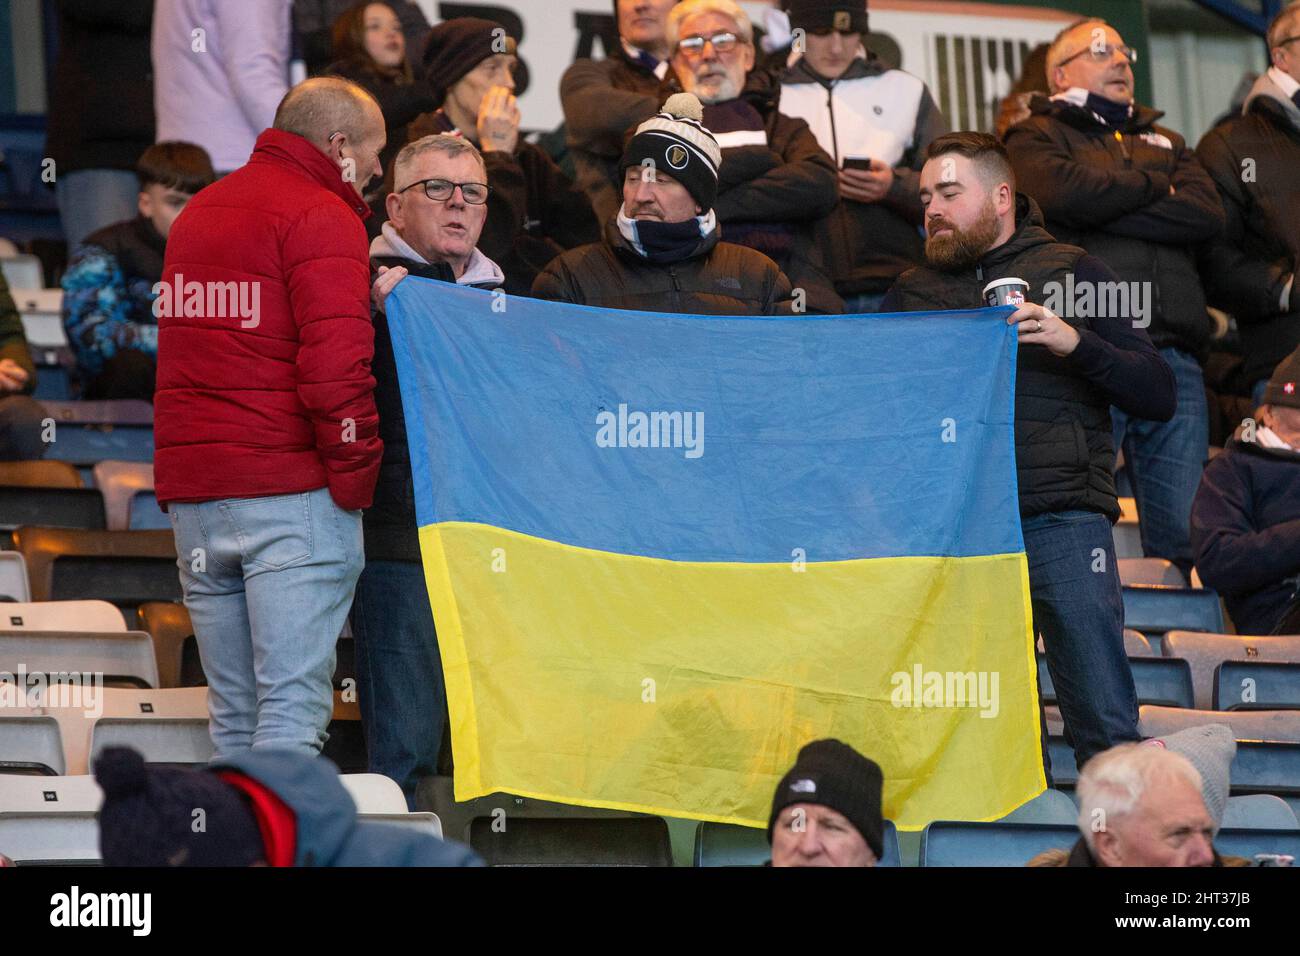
{"x":266,"y":430}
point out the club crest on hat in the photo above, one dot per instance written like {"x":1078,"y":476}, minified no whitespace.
{"x":677,"y":156}
{"x":803,"y":786}
{"x":1289,"y":388}
{"x":843,"y":21}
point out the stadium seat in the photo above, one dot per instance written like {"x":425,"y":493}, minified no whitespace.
{"x":1155,"y":610}
{"x":39,"y":474}
{"x":1206,"y":651}
{"x":22,"y":271}
{"x":726,"y":844}
{"x":65,"y":794}
{"x":120,"y":482}
{"x":1136,"y":644}
{"x":425,"y":822}
{"x":145,"y":515}
{"x":1126,"y":531}
{"x":122,"y":657}
{"x":524,"y":841}
{"x":53,"y":372}
{"x":1150,"y":571}
{"x":168,"y":622}
{"x":1006,"y":844}
{"x":59,"y":839}
{"x":1260,"y":811}
{"x":52,"y":507}
{"x":30,"y":744}
{"x":1050,"y":806}
{"x":1279,"y":725}
{"x":14,"y":585}
{"x":1257,"y":685}
{"x":89,"y":432}
{"x":1158,"y":680}
{"x":945,"y":843}
{"x":97,"y":616}
{"x":374,"y":793}
{"x":172,"y":741}
{"x":1267,"y":767}
{"x":127,"y":568}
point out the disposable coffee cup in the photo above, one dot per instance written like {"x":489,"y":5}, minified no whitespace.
{"x":1009,"y":291}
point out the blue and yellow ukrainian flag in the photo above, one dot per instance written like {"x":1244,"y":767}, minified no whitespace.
{"x":664,"y":552}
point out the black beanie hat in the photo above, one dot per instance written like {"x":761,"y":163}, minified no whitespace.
{"x":675,"y":141}
{"x":148,"y":819}
{"x":832,"y":774}
{"x":456,"y":46}
{"x":1284,"y":384}
{"x":848,"y":16}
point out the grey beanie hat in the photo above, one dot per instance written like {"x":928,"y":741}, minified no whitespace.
{"x":1210,"y":749}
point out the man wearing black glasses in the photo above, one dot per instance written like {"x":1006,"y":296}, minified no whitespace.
{"x":436,"y":213}
{"x":1253,"y":159}
{"x":1133,"y":194}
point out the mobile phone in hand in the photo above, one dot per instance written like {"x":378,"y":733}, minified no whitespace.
{"x":858,"y":162}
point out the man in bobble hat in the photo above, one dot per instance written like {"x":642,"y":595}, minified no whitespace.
{"x":663,"y":250}
{"x":826,"y":811}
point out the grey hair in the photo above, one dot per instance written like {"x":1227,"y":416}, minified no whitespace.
{"x":1055,"y":52}
{"x":318,"y":108}
{"x":1113,"y":783}
{"x":744,"y":29}
{"x":434,"y":143}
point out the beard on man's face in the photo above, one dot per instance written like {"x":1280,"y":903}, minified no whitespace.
{"x":961,"y":248}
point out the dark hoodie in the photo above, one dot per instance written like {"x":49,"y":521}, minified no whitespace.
{"x":1107,"y":189}
{"x":1246,"y":268}
{"x":325,"y":827}
{"x":1246,"y":531}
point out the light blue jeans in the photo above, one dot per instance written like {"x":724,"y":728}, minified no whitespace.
{"x":90,"y":199}
{"x":268,"y":583}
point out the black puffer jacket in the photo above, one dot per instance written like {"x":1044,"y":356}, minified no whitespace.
{"x":1248,"y":266}
{"x":1108,"y":191}
{"x":1064,"y":451}
{"x":1246,"y":532}
{"x":102,"y":94}
{"x":717,"y":279}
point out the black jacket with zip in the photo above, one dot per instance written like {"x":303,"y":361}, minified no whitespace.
{"x":866,"y":246}
{"x":1107,"y":190}
{"x":718,"y":278}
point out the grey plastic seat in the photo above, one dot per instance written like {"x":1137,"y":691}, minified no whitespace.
{"x":13,"y":577}
{"x":30,"y":744}
{"x":1205,"y":651}
{"x":125,"y":656}
{"x":61,"y":839}
{"x":1136,"y":644}
{"x":631,"y":841}
{"x":423,"y":822}
{"x":1150,"y":571}
{"x":373,"y":793}
{"x":75,"y":616}
{"x":1257,"y":685}
{"x":1050,"y":806}
{"x":175,"y":741}
{"x":1281,"y":725}
{"x":1259,"y":811}
{"x":1155,"y":610}
{"x":72,"y":794}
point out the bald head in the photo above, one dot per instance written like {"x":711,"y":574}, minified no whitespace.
{"x":340,"y":119}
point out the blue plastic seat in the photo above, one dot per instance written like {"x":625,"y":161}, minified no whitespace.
{"x":725,"y":844}
{"x":1165,"y":681}
{"x":87,"y":432}
{"x":1272,"y":686}
{"x":1153,"y":610}
{"x":946,"y":843}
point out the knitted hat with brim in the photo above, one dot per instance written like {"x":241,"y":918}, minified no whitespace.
{"x":1284,"y":385}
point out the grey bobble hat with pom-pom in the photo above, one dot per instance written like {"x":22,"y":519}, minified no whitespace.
{"x":675,"y":142}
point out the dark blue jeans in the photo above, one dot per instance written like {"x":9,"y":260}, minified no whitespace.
{"x":1165,"y":461}
{"x":1080,"y":613}
{"x":400,"y":687}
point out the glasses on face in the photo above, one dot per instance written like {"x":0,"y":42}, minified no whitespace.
{"x":1103,"y":54}
{"x":440,"y":190}
{"x":694,"y":46}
